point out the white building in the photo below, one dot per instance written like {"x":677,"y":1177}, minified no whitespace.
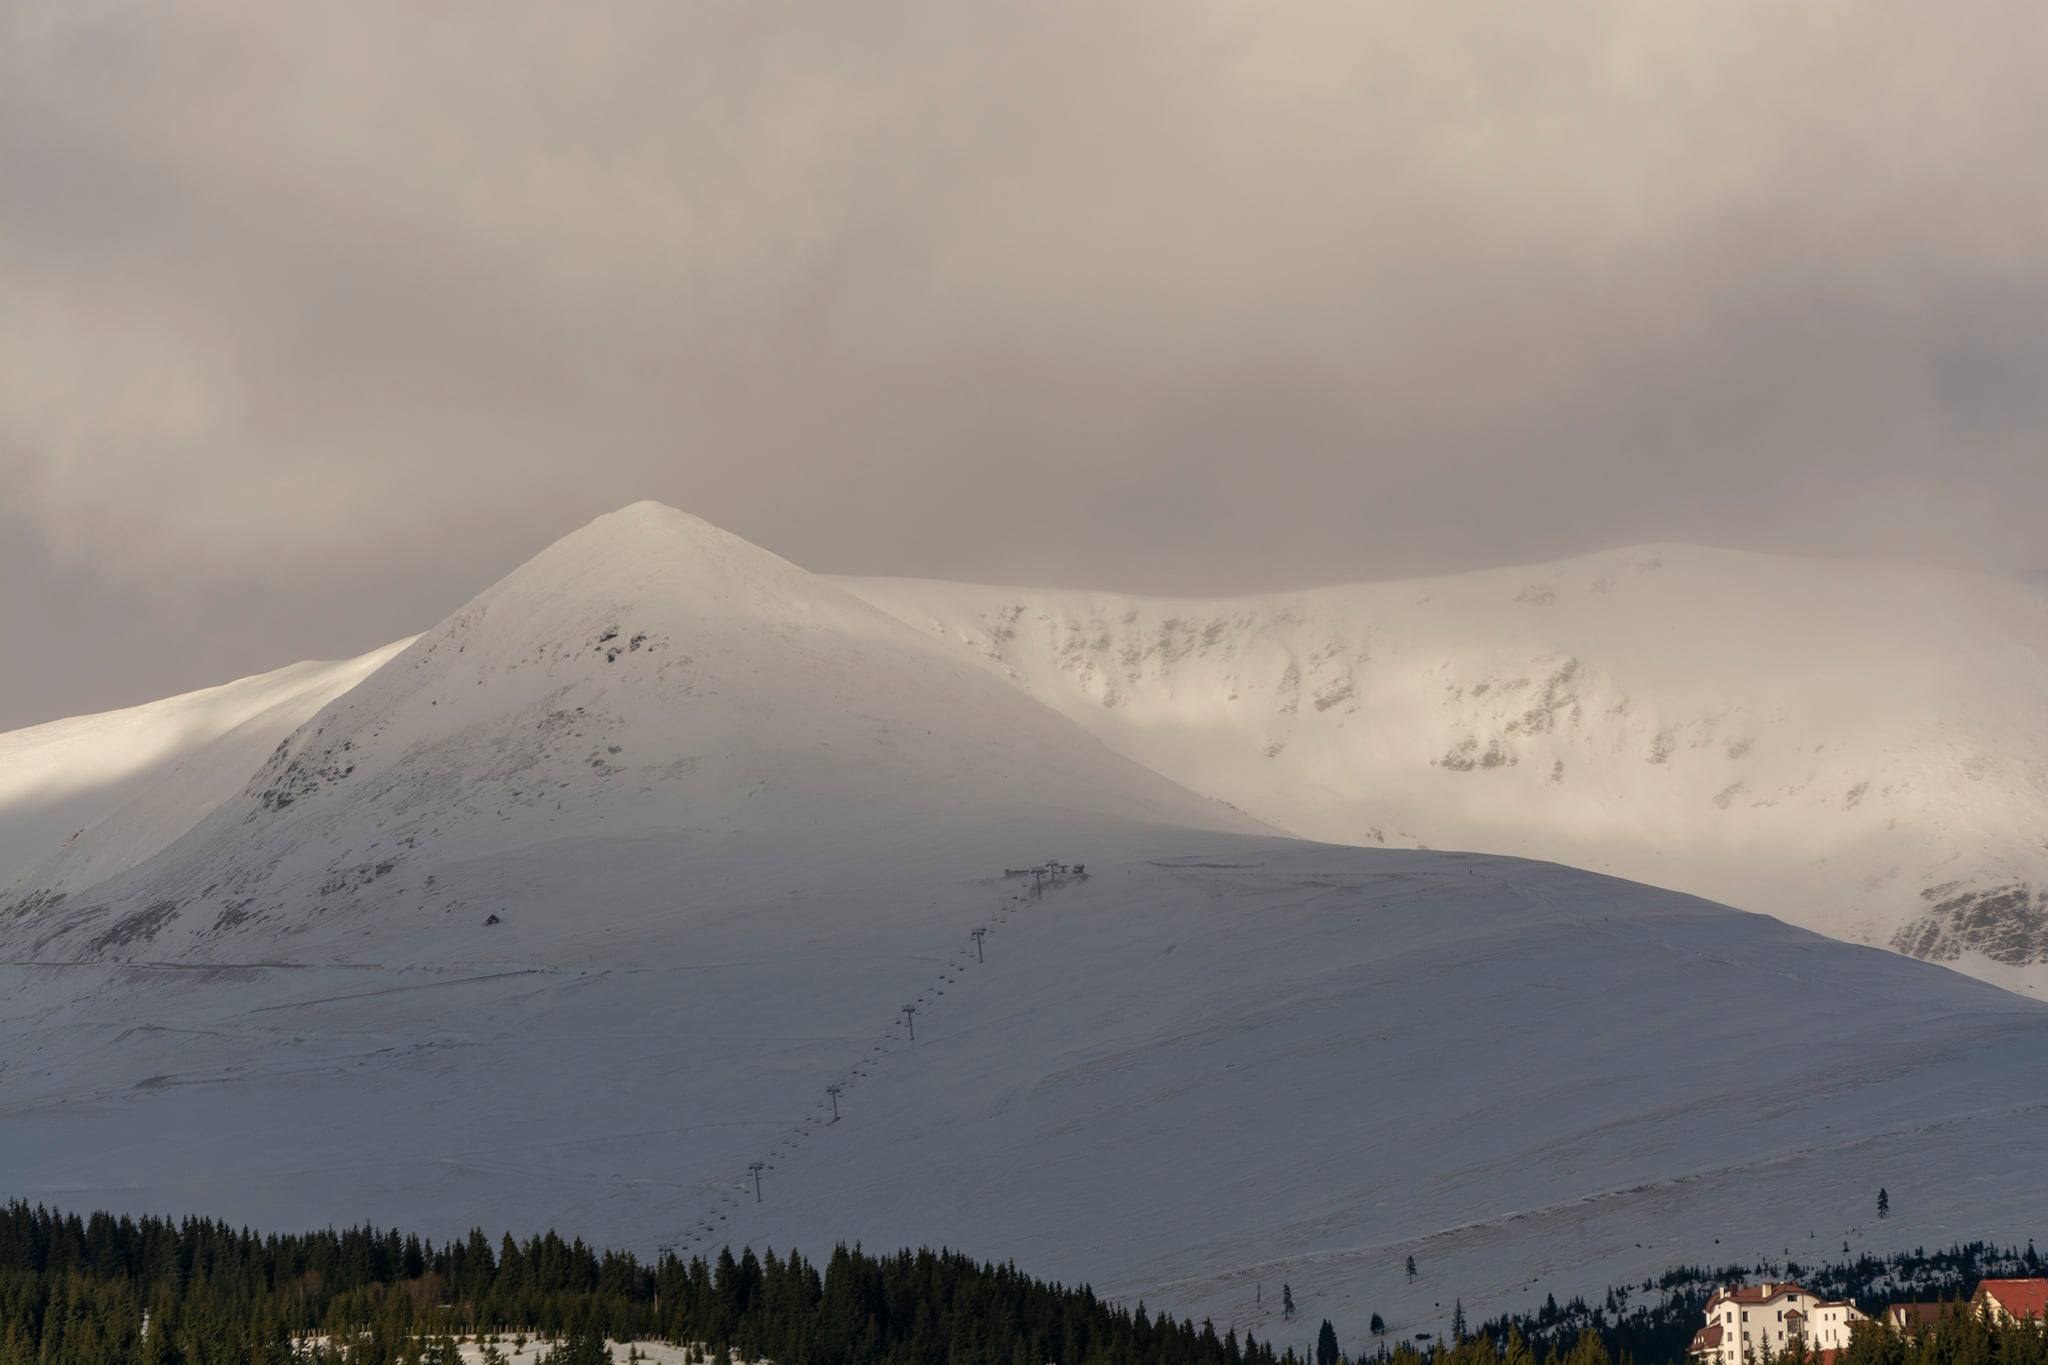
{"x":1748,"y":1322}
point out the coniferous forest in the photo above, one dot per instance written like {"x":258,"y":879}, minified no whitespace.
{"x":74,"y":1291}
{"x":107,"y":1290}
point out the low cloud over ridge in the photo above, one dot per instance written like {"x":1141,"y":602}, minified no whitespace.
{"x":318,"y":319}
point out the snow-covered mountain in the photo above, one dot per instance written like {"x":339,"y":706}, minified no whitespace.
{"x":573,"y":908}
{"x":83,"y":799}
{"x":1861,"y":750}
{"x":1858,"y":749}
{"x":649,"y":677}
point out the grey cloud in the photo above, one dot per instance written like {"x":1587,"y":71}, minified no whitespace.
{"x":320,"y":318}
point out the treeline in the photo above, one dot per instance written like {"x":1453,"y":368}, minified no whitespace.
{"x":1959,"y":1338}
{"x":107,"y":1291}
{"x":1510,"y":1347}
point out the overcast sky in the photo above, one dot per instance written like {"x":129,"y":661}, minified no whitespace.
{"x":316,"y":319}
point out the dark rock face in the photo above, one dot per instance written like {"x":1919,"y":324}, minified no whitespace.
{"x":141,"y":926}
{"x":287,"y":778}
{"x":2007,"y":923}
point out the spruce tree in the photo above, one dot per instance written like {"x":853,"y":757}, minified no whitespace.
{"x":1884,"y":1203}
{"x":582,"y":1348}
{"x":1588,"y":1349}
{"x":1517,"y":1350}
{"x":1326,"y":1344}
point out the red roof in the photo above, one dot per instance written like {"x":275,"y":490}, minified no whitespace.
{"x":2021,"y":1298}
{"x":1756,"y":1293}
{"x":1707,"y":1338}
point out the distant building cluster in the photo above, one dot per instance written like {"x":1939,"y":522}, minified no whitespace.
{"x":1749,"y":1323}
{"x":1049,"y":870}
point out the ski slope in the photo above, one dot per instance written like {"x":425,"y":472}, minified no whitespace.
{"x":1858,"y":749}
{"x":573,"y":908}
{"x":1231,"y":1063}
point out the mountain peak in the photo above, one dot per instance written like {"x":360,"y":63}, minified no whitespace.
{"x":657,"y":520}
{"x":647,"y":677}
{"x":651,"y":550}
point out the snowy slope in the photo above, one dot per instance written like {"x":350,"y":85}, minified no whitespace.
{"x":84,"y":798}
{"x":1859,"y":749}
{"x":731,"y":818}
{"x":647,"y":677}
{"x":1216,"y":1064}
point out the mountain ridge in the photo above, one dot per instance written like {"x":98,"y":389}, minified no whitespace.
{"x":1859,"y":750}
{"x":128,"y":782}
{"x":1972,"y":898}
{"x":1972,"y":894}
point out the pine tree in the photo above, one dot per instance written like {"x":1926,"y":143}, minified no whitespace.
{"x":1458,"y":1322}
{"x":1884,"y":1203}
{"x":1588,"y":1349}
{"x":1411,"y":1269}
{"x":583,"y":1348}
{"x":1287,"y":1302}
{"x":1379,"y":1325}
{"x":1326,"y":1344}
